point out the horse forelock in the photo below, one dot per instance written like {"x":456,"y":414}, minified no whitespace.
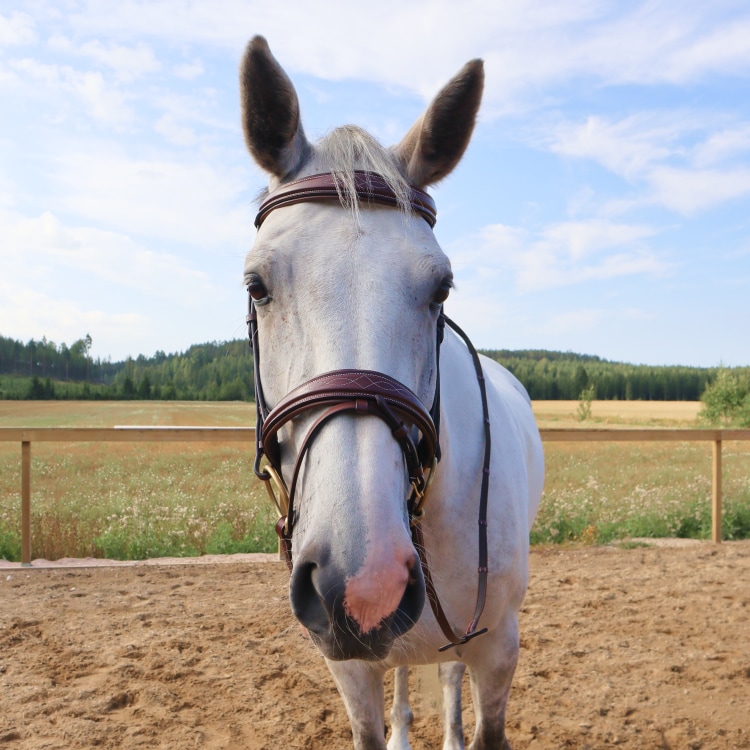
{"x":343,"y":152}
{"x":350,"y":148}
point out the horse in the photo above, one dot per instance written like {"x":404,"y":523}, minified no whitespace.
{"x":397,"y":456}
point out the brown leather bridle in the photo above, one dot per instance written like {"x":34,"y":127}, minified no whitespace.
{"x":365,"y":392}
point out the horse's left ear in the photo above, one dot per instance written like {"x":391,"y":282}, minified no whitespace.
{"x":437,"y":141}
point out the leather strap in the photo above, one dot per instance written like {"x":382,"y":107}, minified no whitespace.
{"x":350,"y":386}
{"x":361,"y":392}
{"x":370,"y":188}
{"x":483,"y":568}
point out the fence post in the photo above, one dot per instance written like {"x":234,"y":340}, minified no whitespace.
{"x":716,"y":499}
{"x":25,"y":502}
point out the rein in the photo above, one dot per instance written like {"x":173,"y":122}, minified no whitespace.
{"x":365,"y":392}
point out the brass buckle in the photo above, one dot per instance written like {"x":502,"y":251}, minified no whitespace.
{"x":282,"y":501}
{"x":418,"y":513}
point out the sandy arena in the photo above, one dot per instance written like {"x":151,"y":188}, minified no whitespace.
{"x":635,"y":648}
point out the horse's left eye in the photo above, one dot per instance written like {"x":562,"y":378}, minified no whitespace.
{"x":257,"y":289}
{"x":442,"y":292}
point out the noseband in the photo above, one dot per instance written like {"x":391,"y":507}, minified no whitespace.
{"x":365,"y":392}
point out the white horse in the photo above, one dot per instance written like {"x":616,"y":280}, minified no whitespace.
{"x":350,"y":284}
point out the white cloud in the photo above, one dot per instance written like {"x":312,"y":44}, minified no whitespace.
{"x":663,"y":43}
{"x":560,"y":255}
{"x":46,"y":73}
{"x":189,"y":71}
{"x":7,"y":187}
{"x":581,"y":239}
{"x":175,"y":132}
{"x":690,"y":191}
{"x":528,"y":45}
{"x":666,"y":155}
{"x":627,"y":147}
{"x":128,"y":62}
{"x":484,"y":254}
{"x":575,"y":320}
{"x":542,"y":267}
{"x":108,"y":256}
{"x":60,"y":281}
{"x":589,"y":319}
{"x":195,"y":203}
{"x":100,"y":116}
{"x":198,"y":111}
{"x":724,"y":144}
{"x":17,"y":29}
{"x":103,"y":101}
{"x":60,"y":318}
{"x":723,"y":50}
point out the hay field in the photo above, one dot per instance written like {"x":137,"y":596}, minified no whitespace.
{"x":111,"y":413}
{"x":175,"y":499}
{"x":619,"y":413}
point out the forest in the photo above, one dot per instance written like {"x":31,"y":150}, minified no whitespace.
{"x":223,"y":371}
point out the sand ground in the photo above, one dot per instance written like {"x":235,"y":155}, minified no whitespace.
{"x":635,"y":648}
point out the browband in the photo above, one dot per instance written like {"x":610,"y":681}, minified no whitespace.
{"x":370,"y":188}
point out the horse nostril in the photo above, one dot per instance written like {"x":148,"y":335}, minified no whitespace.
{"x":308,"y":594}
{"x":318,"y":597}
{"x":412,"y":602}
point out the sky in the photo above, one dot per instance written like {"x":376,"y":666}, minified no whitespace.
{"x":602,"y":207}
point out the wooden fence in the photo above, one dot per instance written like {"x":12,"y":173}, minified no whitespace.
{"x":27,"y":435}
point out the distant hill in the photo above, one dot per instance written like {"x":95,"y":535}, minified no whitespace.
{"x":219,"y":371}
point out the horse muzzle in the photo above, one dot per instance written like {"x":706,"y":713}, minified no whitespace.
{"x":356,"y":616}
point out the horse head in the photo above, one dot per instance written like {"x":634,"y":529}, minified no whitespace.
{"x":338,"y":285}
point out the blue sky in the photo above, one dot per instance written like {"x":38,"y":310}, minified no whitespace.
{"x":603,"y":206}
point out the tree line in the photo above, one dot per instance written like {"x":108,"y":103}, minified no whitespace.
{"x":216,"y":371}
{"x":220,"y":371}
{"x":565,"y":376}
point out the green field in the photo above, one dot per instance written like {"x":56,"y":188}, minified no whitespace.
{"x":132,"y":501}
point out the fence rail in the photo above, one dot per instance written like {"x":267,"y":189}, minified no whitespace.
{"x":137,"y":434}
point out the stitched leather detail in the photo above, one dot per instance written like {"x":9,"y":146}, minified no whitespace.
{"x":356,"y":386}
{"x":370,"y":188}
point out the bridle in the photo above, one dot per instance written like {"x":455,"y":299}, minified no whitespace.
{"x":366,"y":392}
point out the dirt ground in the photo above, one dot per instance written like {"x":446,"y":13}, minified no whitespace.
{"x":636,"y":648}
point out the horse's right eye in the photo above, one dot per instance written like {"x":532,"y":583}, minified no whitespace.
{"x":443,"y":291}
{"x":257,"y":289}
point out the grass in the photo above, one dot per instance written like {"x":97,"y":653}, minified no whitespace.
{"x":133,"y":501}
{"x":600,"y":492}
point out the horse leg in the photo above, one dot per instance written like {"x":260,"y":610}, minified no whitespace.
{"x":451,"y":675}
{"x":401,"y":713}
{"x":360,"y":685}
{"x":491,"y":673}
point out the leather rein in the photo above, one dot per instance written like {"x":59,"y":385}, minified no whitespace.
{"x":365,"y":392}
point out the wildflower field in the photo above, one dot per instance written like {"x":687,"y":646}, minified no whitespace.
{"x":602,"y":492}
{"x":134,"y":501}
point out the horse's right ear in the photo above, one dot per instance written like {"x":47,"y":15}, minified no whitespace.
{"x":270,"y":112}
